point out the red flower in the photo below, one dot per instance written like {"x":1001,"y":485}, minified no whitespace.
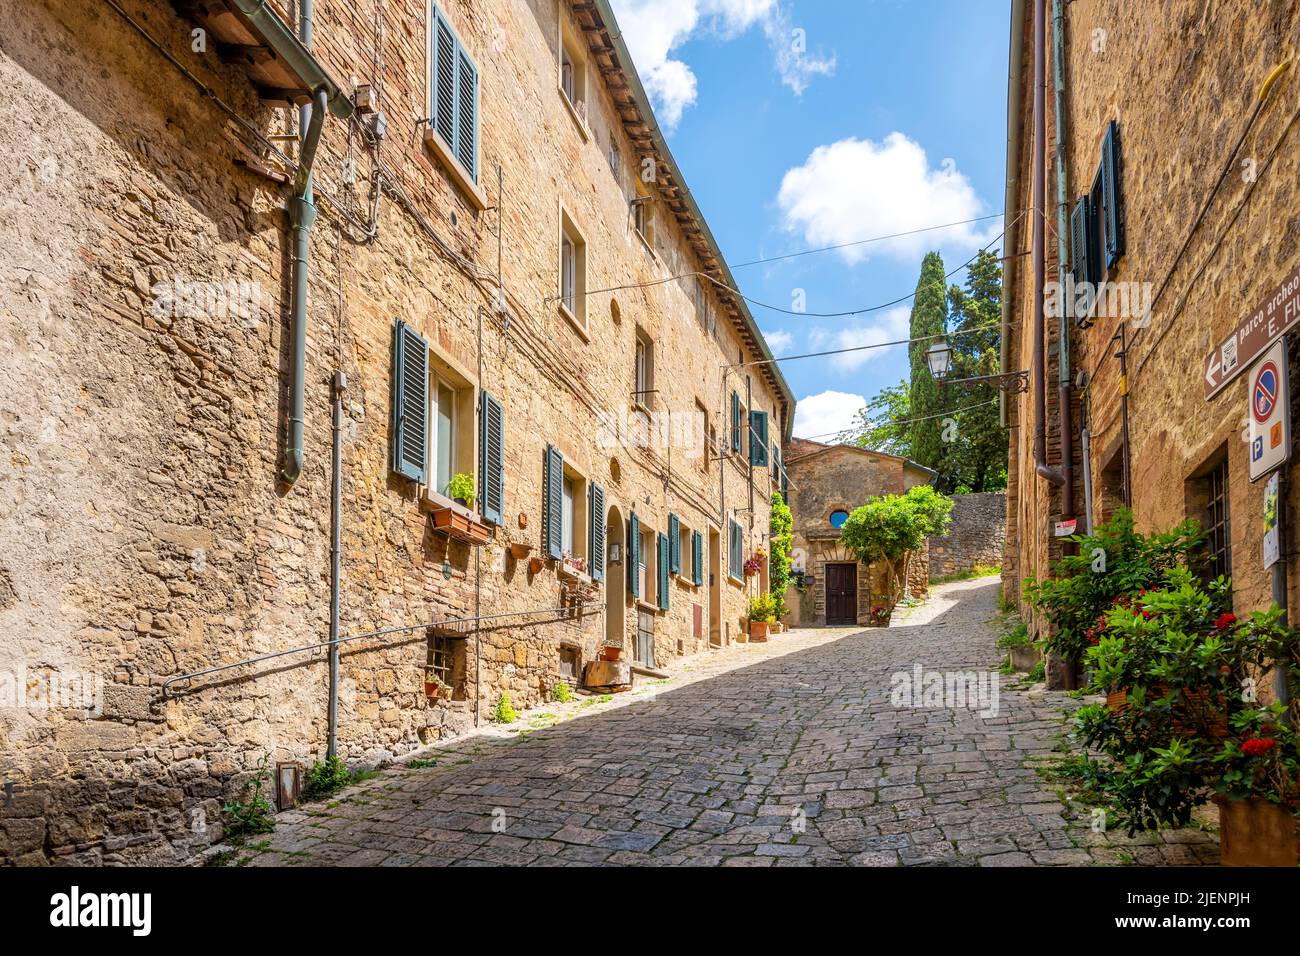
{"x":1225,"y":620}
{"x":1094,"y":641}
{"x":1256,"y":746}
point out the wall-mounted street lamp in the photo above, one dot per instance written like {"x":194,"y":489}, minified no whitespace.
{"x":939,"y":358}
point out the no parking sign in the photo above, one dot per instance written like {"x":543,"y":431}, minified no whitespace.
{"x":1270,"y":419}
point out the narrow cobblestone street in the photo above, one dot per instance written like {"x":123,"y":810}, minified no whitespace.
{"x":725,"y":762}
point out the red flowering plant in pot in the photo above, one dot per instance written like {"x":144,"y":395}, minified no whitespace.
{"x":1188,"y":669}
{"x":880,"y":614}
{"x":1258,"y":790}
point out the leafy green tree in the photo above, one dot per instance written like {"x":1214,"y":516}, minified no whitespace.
{"x":929,"y":318}
{"x":782,"y":528}
{"x":976,"y":458}
{"x":878,"y":425}
{"x":889,"y":528}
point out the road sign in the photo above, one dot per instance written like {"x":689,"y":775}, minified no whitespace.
{"x":1269,"y":417}
{"x":1272,"y":542}
{"x":1271,"y":319}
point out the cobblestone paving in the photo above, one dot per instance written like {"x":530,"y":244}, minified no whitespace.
{"x":740,"y":749}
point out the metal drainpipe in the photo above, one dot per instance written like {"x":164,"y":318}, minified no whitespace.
{"x":302,"y":214}
{"x":1039,"y":239}
{"x":336,"y":547}
{"x":1065,"y":385}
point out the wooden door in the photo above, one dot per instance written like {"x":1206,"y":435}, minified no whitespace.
{"x":841,"y":594}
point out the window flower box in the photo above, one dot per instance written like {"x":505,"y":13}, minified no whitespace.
{"x":460,"y":525}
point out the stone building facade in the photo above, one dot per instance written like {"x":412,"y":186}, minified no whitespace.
{"x":1134,"y":143}
{"x":826,"y":482}
{"x":976,"y":537}
{"x":522,"y":248}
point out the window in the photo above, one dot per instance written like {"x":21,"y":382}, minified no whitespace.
{"x":704,"y":435}
{"x":615,"y":158}
{"x":573,"y":273}
{"x":566,"y":517}
{"x":735,"y":550}
{"x":643,"y":215}
{"x":838,"y":517}
{"x":1097,"y":221}
{"x":645,"y":370}
{"x":442,"y":444}
{"x":1207,"y":501}
{"x":453,"y":103}
{"x":573,"y":72}
{"x":448,"y":659}
{"x":703,"y":305}
{"x":645,"y":554}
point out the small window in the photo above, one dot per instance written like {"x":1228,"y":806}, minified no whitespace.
{"x":704,"y":435}
{"x":647,"y":555}
{"x":447,"y":658}
{"x":615,"y":158}
{"x":573,"y":73}
{"x":645,"y":371}
{"x":838,"y":517}
{"x":703,"y":305}
{"x":566,"y":516}
{"x":453,"y":95}
{"x":451,"y":442}
{"x":735,"y":550}
{"x":573,"y":267}
{"x":1218,"y":523}
{"x":643,"y":215}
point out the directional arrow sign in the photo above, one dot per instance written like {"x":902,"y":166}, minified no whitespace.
{"x":1274,"y":317}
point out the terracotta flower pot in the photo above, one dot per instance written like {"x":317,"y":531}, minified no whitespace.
{"x":1256,"y":832}
{"x":611,"y":654}
{"x":432,"y":691}
{"x":535,"y":565}
{"x":758,"y":630}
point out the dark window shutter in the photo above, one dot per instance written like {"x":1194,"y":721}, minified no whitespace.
{"x":444,"y":81}
{"x":632,"y":555}
{"x":735,"y":561}
{"x":1079,"y":234}
{"x":596,"y":522}
{"x":662,"y":568}
{"x":1112,"y":194}
{"x":491,"y":459}
{"x":467,"y":114}
{"x":410,"y":403}
{"x":553,"y":516}
{"x":697,"y":557}
{"x":735,"y":422}
{"x":758,"y":438}
{"x":674,"y":544}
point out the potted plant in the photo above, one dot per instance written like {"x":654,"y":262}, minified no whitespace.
{"x":752,"y":566}
{"x":461,"y":489}
{"x":880,"y":614}
{"x":761,"y":610}
{"x":1258,"y":791}
{"x":434,"y":686}
{"x":610,"y":652}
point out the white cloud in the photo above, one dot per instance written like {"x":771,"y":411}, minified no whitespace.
{"x":889,"y":326}
{"x":826,"y":414}
{"x":855,"y":188}
{"x":653,"y":29}
{"x":779,"y":341}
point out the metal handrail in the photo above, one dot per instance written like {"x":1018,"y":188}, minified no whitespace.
{"x":382,"y":632}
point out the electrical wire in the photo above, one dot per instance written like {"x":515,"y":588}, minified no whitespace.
{"x":903,"y":421}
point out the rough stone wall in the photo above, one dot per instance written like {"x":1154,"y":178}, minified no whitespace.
{"x":977,"y":534}
{"x":143,"y":530}
{"x":1179,"y":117}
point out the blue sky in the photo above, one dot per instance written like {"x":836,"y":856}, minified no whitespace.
{"x":880,"y":116}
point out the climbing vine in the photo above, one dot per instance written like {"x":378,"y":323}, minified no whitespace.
{"x":782,"y":539}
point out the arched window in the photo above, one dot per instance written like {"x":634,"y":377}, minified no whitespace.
{"x":838,"y":517}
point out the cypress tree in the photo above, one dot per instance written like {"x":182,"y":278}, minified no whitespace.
{"x":929,"y":318}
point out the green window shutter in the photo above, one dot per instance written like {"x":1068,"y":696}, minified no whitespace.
{"x":758,"y":438}
{"x":735,"y":422}
{"x":491,"y":459}
{"x":674,"y":544}
{"x":553,"y":512}
{"x":632,"y":555}
{"x":662,"y":568}
{"x":697,"y":558}
{"x":1112,"y":197}
{"x":1079,"y":218}
{"x":776,"y":461}
{"x":467,"y":114}
{"x":410,"y":403}
{"x":735,"y":560}
{"x":596,"y":522}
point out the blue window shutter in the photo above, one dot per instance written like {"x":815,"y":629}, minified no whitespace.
{"x":410,"y":403}
{"x":697,"y":558}
{"x":758,"y":439}
{"x":491,"y":459}
{"x":596,"y":522}
{"x":735,"y":422}
{"x":444,"y":73}
{"x":632,"y":555}
{"x":662,"y":568}
{"x":674,"y":544}
{"x":467,"y":113}
{"x":1079,"y":240}
{"x":553,"y":488}
{"x":1112,"y":194}
{"x":735,"y":562}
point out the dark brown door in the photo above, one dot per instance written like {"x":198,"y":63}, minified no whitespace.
{"x":841,"y":594}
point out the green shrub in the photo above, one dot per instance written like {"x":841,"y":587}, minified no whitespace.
{"x":461,"y":487}
{"x":1114,"y":561}
{"x":561,"y":693}
{"x":1018,"y":636}
{"x":504,"y":713}
{"x":782,"y":524}
{"x":889,"y":527}
{"x":251,"y":811}
{"x":762,"y":608}
{"x":325,"y":777}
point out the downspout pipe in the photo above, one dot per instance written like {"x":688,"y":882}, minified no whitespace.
{"x":1010,"y":214}
{"x":1052,"y":475}
{"x":1064,"y":381}
{"x":302,"y":214}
